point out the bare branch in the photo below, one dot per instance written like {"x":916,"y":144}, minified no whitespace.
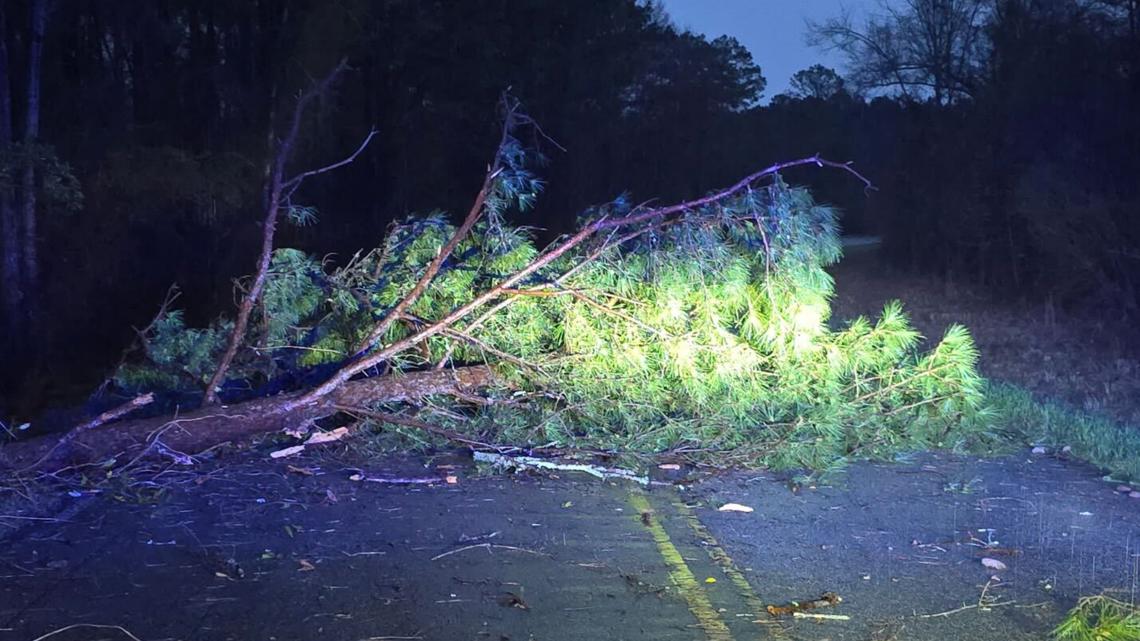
{"x":276,"y":197}
{"x":293,"y":183}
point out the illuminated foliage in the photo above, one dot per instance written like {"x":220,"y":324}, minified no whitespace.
{"x":706,"y":333}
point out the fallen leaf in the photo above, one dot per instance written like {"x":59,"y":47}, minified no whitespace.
{"x":356,"y":477}
{"x":710,"y":580}
{"x":303,"y":471}
{"x":305,"y":566}
{"x":451,"y":479}
{"x":993,"y":564}
{"x":734,"y":507}
{"x":289,"y":451}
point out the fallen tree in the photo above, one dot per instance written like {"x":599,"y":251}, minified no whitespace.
{"x":183,"y":436}
{"x":699,"y":327}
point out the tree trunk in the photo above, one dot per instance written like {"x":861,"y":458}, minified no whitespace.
{"x":31,"y":267}
{"x":203,"y":429}
{"x":11,"y":285}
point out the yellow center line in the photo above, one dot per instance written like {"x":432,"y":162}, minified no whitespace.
{"x":681,"y":575}
{"x":721,"y":558}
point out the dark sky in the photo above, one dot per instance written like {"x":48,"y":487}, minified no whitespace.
{"x":773,"y":30}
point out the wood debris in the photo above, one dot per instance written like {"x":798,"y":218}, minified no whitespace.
{"x":827,"y":599}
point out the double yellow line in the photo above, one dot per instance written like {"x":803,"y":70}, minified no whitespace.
{"x":691,"y":590}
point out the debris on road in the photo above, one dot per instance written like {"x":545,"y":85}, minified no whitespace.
{"x":827,"y":599}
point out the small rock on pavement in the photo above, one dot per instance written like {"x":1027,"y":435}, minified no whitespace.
{"x":1123,"y":489}
{"x":1134,"y":494}
{"x":1038,"y":450}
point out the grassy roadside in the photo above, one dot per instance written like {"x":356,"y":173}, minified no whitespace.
{"x":1056,"y":380}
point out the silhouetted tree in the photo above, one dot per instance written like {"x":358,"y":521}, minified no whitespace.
{"x":923,"y":49}
{"x":817,"y":81}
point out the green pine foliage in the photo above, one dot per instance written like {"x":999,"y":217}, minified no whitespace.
{"x":176,"y":357}
{"x":705,"y":334}
{"x":712,"y":336}
{"x":1100,"y":618}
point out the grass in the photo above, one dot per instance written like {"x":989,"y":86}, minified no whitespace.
{"x":1056,"y":379}
{"x":1097,"y":439}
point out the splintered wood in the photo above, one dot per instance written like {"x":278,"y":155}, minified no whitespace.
{"x":794,"y":607}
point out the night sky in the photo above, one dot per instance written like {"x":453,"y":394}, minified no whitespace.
{"x":773,"y":30}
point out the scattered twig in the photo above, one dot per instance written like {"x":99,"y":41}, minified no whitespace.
{"x":97,"y":626}
{"x":530,"y":462}
{"x":963,"y":609}
{"x":33,"y":518}
{"x":417,"y":480}
{"x":826,"y":617}
{"x":985,"y":602}
{"x":487,"y":546}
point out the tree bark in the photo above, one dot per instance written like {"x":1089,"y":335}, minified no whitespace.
{"x":30,"y":255}
{"x":11,"y":278}
{"x":208,"y":427}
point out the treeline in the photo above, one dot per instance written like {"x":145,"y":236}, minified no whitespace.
{"x":1015,"y":165}
{"x":1014,"y":157}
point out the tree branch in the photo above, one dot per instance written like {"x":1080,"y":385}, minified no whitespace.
{"x":293,"y":183}
{"x":473,"y":215}
{"x":276,"y":197}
